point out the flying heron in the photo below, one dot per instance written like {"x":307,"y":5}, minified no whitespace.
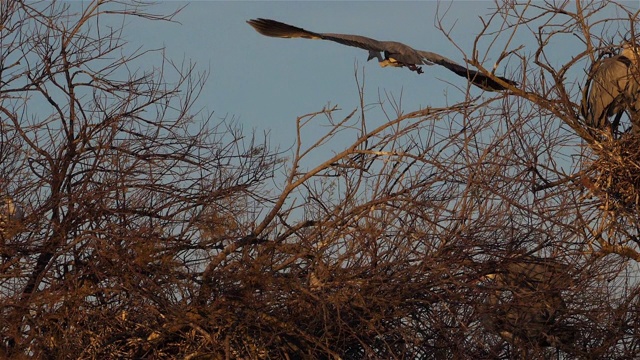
{"x":613,"y":87}
{"x":395,"y":54}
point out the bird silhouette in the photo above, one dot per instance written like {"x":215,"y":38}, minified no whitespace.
{"x":613,"y":87}
{"x":396,"y":54}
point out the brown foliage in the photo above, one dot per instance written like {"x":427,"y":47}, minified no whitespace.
{"x":146,"y":239}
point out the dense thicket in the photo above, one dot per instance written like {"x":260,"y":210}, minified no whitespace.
{"x":488,"y":229}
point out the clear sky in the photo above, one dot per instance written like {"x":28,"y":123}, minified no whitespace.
{"x":265,"y":83}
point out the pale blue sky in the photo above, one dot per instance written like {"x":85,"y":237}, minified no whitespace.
{"x":265,"y":83}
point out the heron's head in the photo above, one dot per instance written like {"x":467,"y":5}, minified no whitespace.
{"x":631,"y":51}
{"x":385,"y":63}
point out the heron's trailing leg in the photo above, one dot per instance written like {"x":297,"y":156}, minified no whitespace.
{"x":415,"y":68}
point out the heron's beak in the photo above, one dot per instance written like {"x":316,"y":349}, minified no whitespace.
{"x":385,"y":63}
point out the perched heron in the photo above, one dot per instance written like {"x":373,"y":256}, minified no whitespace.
{"x":10,"y":214}
{"x":526,"y":301}
{"x":613,"y":87}
{"x":395,"y":54}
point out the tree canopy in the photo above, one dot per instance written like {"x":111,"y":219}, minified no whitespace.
{"x":499,"y":227}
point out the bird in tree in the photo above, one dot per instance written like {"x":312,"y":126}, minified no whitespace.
{"x":526,"y":302}
{"x":10,"y":215}
{"x":396,"y":54}
{"x":613,"y":88}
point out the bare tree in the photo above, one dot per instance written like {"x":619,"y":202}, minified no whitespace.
{"x":492,"y":228}
{"x":116,"y":173}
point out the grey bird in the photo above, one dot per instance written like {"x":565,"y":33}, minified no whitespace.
{"x":11,"y":214}
{"x":526,"y":303}
{"x":11,"y":210}
{"x":395,"y":54}
{"x":613,"y":88}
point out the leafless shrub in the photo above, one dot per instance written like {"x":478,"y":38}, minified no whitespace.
{"x":145,"y":238}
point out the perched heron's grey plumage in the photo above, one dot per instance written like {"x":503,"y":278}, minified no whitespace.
{"x":11,"y":210}
{"x":527,"y":301}
{"x":531,"y":272}
{"x":613,"y":87}
{"x":395,"y":54}
{"x":10,"y":214}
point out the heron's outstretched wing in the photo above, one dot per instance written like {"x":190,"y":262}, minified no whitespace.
{"x":399,"y":53}
{"x":274,"y":28}
{"x":478,"y":79}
